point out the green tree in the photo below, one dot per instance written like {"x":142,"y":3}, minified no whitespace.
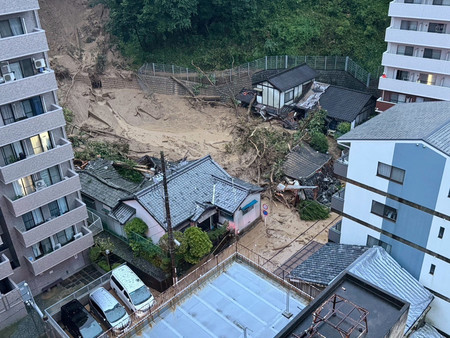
{"x":198,"y":245}
{"x":137,"y":226}
{"x":312,"y":211}
{"x":319,"y":142}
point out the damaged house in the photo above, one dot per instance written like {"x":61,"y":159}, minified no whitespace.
{"x":201,"y":193}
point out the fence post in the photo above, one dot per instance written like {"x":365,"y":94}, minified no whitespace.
{"x":286,"y":61}
{"x":325,"y":63}
{"x":335,"y":62}
{"x":231,"y":74}
{"x":248,"y":68}
{"x":368,"y":80}
{"x":315,"y":62}
{"x":346,"y":64}
{"x":276,"y":61}
{"x":187,"y":74}
{"x":266,"y":63}
{"x":153,"y":68}
{"x":173,"y":70}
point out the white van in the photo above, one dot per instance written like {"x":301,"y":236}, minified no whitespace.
{"x":132,"y":290}
{"x":109,"y":310}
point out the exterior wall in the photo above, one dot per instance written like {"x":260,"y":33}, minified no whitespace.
{"x":155,"y":231}
{"x":270,"y":96}
{"x":16,"y":6}
{"x":241,"y":220}
{"x":438,"y":315}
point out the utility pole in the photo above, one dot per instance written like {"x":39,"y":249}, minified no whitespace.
{"x":169,"y":221}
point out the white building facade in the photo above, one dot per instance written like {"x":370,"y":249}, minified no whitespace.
{"x":397,"y":194}
{"x":417,"y":60}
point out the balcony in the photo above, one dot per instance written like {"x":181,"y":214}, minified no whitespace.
{"x":337,"y":201}
{"x":414,"y":88}
{"x":25,"y":44}
{"x":29,"y":127}
{"x":22,"y":205}
{"x":76,"y":214}
{"x":50,"y":260}
{"x":416,"y":63}
{"x":334,"y":234}
{"x":416,"y":38}
{"x":94,"y":223}
{"x":341,"y":166}
{"x":382,"y":105}
{"x":17,"y":6}
{"x":5,"y":267}
{"x":30,"y":86}
{"x":60,"y":153}
{"x":419,"y":11}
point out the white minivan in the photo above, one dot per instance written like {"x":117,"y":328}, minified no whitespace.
{"x":132,"y":290}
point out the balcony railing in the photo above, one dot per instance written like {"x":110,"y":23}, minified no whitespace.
{"x":94,"y":223}
{"x":427,"y":12}
{"x":31,"y":126}
{"x":27,"y":166}
{"x":21,"y":205}
{"x":414,"y":88}
{"x":17,"y":6}
{"x":17,"y":46}
{"x":341,"y":166}
{"x":51,"y":226}
{"x":421,"y":64}
{"x":50,"y":260}
{"x":417,"y":38}
{"x":337,"y":201}
{"x":5,"y":267}
{"x":38,"y":84}
{"x":334,"y":234}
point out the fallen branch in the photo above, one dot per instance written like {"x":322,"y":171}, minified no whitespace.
{"x":183,"y":85}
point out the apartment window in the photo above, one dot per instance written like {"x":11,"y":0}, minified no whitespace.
{"x":408,"y":25}
{"x":441,"y":232}
{"x":384,"y":211}
{"x":405,"y":50}
{"x":289,"y":96}
{"x":33,"y":107}
{"x":432,"y":268}
{"x":441,"y":2}
{"x":24,"y":186}
{"x":428,"y":79}
{"x":432,"y":53}
{"x":41,"y":143}
{"x":65,"y":236}
{"x":402,"y":75}
{"x":13,"y":152}
{"x":434,"y":27}
{"x":372,"y":241}
{"x":413,"y":1}
{"x":22,"y":68}
{"x":58,"y":207}
{"x":11,"y":27}
{"x":51,"y":175}
{"x":398,"y":98}
{"x":7,"y":114}
{"x":33,"y":218}
{"x":391,"y":173}
{"x":42,"y":248}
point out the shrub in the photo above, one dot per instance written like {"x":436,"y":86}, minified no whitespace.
{"x":312,"y":211}
{"x":104,"y":265}
{"x":137,"y":226}
{"x":319,"y":142}
{"x":217,"y":234}
{"x":344,"y":127}
{"x":198,"y":245}
{"x":94,"y":253}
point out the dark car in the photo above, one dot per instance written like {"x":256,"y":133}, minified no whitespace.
{"x":79,"y":321}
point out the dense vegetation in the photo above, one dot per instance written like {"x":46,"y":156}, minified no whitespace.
{"x":214,"y":33}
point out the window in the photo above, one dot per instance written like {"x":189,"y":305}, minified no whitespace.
{"x":51,"y":175}
{"x":33,"y":218}
{"x":372,"y":241}
{"x":58,"y":207}
{"x":405,"y":50}
{"x":24,"y":186}
{"x":413,"y":1}
{"x":432,"y":53}
{"x":13,"y":152}
{"x":441,"y":232}
{"x":441,"y":2}
{"x":245,"y":209}
{"x":65,"y":236}
{"x":384,"y":211}
{"x":402,"y":75}
{"x":432,"y":268}
{"x":289,"y":96}
{"x":429,"y":79}
{"x":10,"y":27}
{"x":391,"y":173}
{"x":21,"y":69}
{"x":41,"y":143}
{"x":42,"y":248}
{"x":436,"y":27}
{"x":7,"y":114}
{"x":117,"y":283}
{"x":33,"y":107}
{"x":398,"y":98}
{"x":408,"y":25}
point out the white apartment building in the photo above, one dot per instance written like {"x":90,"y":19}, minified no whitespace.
{"x":417,"y":60}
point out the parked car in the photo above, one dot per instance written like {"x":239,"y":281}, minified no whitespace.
{"x":109,"y":310}
{"x":132,"y":290}
{"x":78,"y":321}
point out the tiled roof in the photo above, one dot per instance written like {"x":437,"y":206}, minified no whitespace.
{"x":426,"y":331}
{"x":325,"y":264}
{"x":377,"y":267}
{"x":123,"y":213}
{"x":101,"y":181}
{"x":344,"y":104}
{"x":199,"y":183}
{"x":428,"y":121}
{"x":292,"y":77}
{"x":303,"y":162}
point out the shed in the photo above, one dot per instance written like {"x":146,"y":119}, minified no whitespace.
{"x":303,"y":162}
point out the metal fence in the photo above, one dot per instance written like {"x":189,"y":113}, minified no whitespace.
{"x":94,"y":223}
{"x":342,"y":63}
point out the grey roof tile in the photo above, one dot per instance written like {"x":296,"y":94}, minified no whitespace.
{"x":123,"y":213}
{"x":303,"y":162}
{"x":344,"y":104}
{"x":292,"y":77}
{"x":428,"y":121}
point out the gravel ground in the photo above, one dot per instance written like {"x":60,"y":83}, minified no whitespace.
{"x":29,"y":327}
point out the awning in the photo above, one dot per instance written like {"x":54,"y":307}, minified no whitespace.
{"x":252,"y":203}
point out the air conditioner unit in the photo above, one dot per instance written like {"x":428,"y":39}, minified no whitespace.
{"x":57,"y":246}
{"x":78,"y":235}
{"x":9,"y":77}
{"x":40,"y":184}
{"x":40,"y":63}
{"x":5,"y":68}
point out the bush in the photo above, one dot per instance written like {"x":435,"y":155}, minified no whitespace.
{"x":319,"y":142}
{"x":137,"y":226}
{"x":104,"y":265}
{"x":344,"y":127}
{"x":198,"y":245}
{"x":217,"y":234}
{"x":94,"y":253}
{"x":312,"y":211}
